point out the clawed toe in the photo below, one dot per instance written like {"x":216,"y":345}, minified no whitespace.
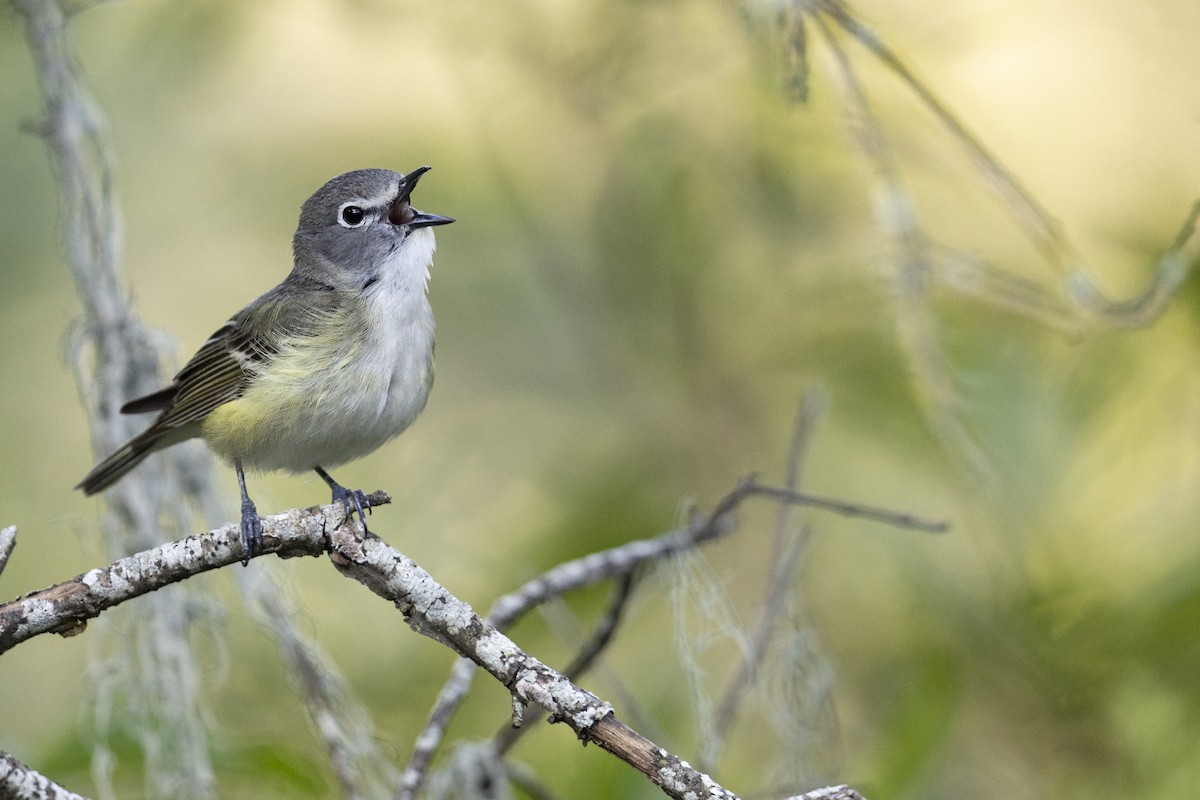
{"x":355,"y":502}
{"x":251,"y":533}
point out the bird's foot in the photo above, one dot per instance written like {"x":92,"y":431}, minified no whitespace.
{"x":354,"y":501}
{"x":251,"y":532}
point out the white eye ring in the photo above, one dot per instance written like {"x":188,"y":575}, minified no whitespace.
{"x":352,"y":215}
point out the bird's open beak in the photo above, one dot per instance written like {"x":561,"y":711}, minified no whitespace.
{"x":402,"y":212}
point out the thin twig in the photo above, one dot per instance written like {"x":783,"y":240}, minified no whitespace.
{"x":891,"y":518}
{"x":898,"y":221}
{"x":812,"y":406}
{"x":786,"y":548}
{"x":974,"y":276}
{"x":605,"y":565}
{"x":8,"y":540}
{"x":504,"y":740}
{"x":603,"y":634}
{"x":1038,"y":224}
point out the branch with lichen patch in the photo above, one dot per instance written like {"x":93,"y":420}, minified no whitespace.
{"x":66,"y":607}
{"x":427,"y":606}
{"x":19,"y":781}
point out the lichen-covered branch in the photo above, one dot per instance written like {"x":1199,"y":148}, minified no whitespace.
{"x":19,"y":782}
{"x":616,"y":563}
{"x":66,"y":607}
{"x":431,"y":610}
{"x":428,"y":607}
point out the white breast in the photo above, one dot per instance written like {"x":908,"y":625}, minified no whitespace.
{"x":402,"y":350}
{"x":329,"y":403}
{"x":396,"y":364}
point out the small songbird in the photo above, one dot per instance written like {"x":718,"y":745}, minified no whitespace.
{"x":324,"y":368}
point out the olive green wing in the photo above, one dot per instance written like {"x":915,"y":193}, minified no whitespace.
{"x":220,"y":371}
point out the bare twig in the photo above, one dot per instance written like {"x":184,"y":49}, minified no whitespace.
{"x":605,"y":565}
{"x":883,"y":515}
{"x":812,"y":405}
{"x":785,"y":556}
{"x":973,"y":276}
{"x":898,"y":221}
{"x":19,"y":782}
{"x":427,"y":607}
{"x":603,"y":634}
{"x":66,"y":607}
{"x":504,"y":740}
{"x":8,"y":540}
{"x":1038,"y":225}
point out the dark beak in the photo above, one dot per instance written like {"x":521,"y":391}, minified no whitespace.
{"x":423,"y":220}
{"x":402,"y":212}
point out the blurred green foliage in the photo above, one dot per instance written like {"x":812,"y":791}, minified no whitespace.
{"x":657,"y":251}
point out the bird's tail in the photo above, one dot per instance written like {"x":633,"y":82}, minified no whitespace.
{"x":113,"y":468}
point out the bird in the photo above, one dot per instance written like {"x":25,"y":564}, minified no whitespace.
{"x":324,"y":368}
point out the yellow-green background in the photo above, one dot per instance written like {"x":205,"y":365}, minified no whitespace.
{"x":656,"y":253}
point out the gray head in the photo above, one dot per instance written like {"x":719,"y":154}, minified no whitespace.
{"x":359,"y":223}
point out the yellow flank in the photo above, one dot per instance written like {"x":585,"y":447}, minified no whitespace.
{"x":238,"y":426}
{"x":297,"y":401}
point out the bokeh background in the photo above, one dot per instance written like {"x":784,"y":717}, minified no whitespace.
{"x":658,"y":251}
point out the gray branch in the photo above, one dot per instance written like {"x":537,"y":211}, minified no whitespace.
{"x":19,"y":782}
{"x":427,"y":606}
{"x":66,"y":607}
{"x":8,"y":540}
{"x":609,"y":564}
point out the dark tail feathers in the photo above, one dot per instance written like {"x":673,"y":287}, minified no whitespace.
{"x":113,"y":468}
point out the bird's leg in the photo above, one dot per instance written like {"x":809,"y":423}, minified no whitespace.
{"x":251,"y":524}
{"x":351,"y":499}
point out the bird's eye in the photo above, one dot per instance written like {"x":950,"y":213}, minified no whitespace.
{"x":351,"y":215}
